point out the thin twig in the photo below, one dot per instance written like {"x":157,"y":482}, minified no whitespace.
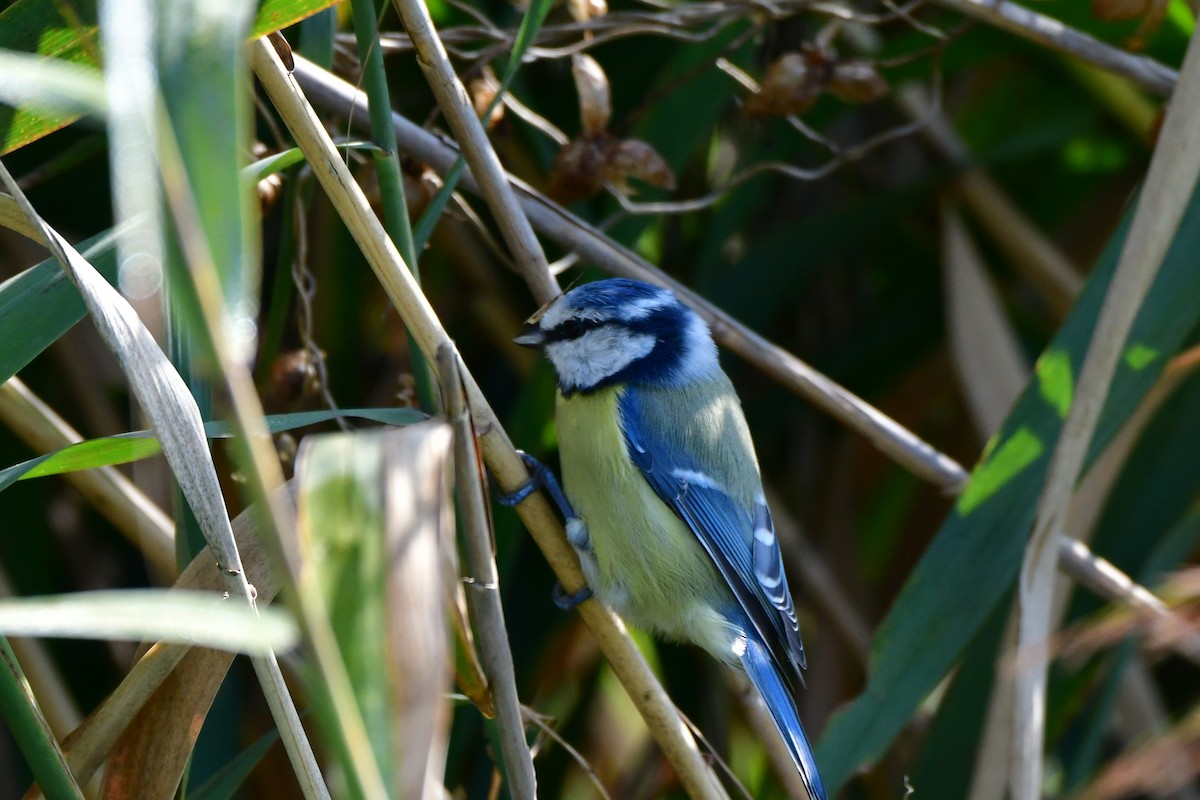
{"x":1035,"y":256}
{"x":535,"y":119}
{"x":305,"y":284}
{"x":727,"y":770}
{"x":1062,"y":38}
{"x":483,"y":586}
{"x":1169,"y":184}
{"x":842,"y":155}
{"x":691,"y":22}
{"x":544,"y":725}
{"x":481,"y":230}
{"x":593,"y":245}
{"x":630,"y":667}
{"x":485,"y":165}
{"x":1106,"y":580}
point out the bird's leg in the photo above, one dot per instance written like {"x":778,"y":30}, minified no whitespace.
{"x":542,"y":477}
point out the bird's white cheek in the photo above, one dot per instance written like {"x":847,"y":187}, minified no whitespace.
{"x":583,"y":362}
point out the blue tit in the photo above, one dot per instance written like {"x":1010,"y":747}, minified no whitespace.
{"x":669,"y":518}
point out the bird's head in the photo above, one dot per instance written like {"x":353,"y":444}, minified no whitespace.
{"x":621,"y":331}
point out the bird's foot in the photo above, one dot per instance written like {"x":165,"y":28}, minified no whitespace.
{"x":540,"y":477}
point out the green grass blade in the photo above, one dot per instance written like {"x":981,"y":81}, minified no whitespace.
{"x":202,"y":73}
{"x":274,"y":15}
{"x":200,"y":618}
{"x":340,"y":520}
{"x":126,"y":447}
{"x":40,"y":304}
{"x":24,"y":720}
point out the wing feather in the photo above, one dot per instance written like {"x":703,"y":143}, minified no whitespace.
{"x":741,"y":541}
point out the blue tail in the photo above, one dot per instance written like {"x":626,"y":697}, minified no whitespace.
{"x":770,"y":684}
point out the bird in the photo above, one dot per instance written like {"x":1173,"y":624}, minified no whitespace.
{"x":663,"y":496}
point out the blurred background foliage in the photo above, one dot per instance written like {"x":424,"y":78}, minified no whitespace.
{"x":848,"y":270}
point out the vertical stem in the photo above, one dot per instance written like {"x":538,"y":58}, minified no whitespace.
{"x":387,"y":168}
{"x":387,"y":163}
{"x":483,"y":586}
{"x":485,"y":165}
{"x":1170,"y":182}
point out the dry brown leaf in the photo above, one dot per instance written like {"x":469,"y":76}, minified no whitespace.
{"x":187,"y":697}
{"x":1156,"y":12}
{"x":1159,"y":767}
{"x":149,"y":759}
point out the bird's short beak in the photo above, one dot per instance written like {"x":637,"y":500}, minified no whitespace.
{"x":531,"y":336}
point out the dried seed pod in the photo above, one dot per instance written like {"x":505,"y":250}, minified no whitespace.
{"x":292,"y":378}
{"x":595,"y":99}
{"x":579,"y":168}
{"x":857,"y":82}
{"x":791,"y":85}
{"x":282,"y":49}
{"x":632,"y":158}
{"x":269,"y":190}
{"x":584,"y":10}
{"x":270,"y":187}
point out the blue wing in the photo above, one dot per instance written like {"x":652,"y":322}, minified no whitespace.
{"x":741,"y":541}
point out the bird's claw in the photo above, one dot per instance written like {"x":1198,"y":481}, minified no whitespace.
{"x":511,"y":499}
{"x":568,"y":602}
{"x":540,"y":477}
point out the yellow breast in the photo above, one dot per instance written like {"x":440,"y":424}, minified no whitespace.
{"x":650,"y":566}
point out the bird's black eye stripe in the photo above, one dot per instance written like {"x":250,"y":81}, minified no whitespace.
{"x":573,"y":329}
